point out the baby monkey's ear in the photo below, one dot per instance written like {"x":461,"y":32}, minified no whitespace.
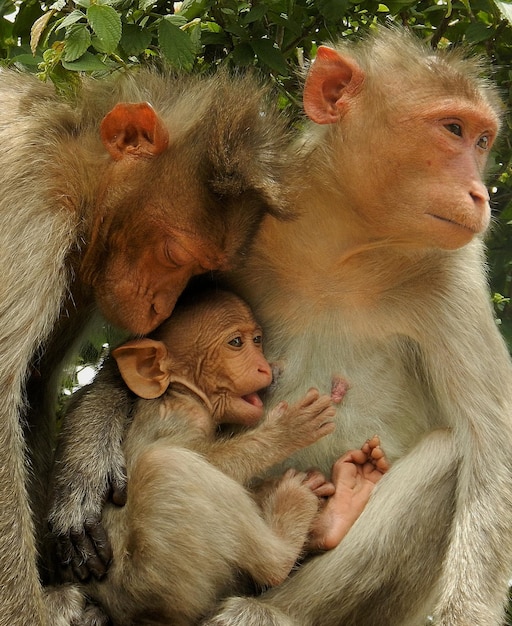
{"x":144,"y":366}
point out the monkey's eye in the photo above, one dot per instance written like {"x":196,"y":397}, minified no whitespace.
{"x":236,"y":342}
{"x":455,"y":129}
{"x":176,"y":255}
{"x":258,"y":339}
{"x":483,"y":142}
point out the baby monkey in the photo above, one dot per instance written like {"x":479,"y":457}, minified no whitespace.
{"x":191,"y":531}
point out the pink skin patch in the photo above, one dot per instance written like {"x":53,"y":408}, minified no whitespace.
{"x":339,"y":387}
{"x":253,"y":399}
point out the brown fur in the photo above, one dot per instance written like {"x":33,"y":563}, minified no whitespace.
{"x":190,"y":531}
{"x":367,"y":285}
{"x":78,"y":227}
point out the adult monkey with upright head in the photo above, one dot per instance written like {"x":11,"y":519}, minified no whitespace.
{"x":113,"y":202}
{"x":382,"y":279}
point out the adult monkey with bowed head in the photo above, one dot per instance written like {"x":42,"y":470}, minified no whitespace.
{"x":114,"y":203}
{"x":382,"y":279}
{"x":190,"y":532}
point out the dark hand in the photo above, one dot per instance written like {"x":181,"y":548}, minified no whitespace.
{"x":87,"y":552}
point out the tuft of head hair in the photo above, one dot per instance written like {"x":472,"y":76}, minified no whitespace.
{"x":197,"y":316}
{"x":226,"y":159}
{"x":392,"y":56}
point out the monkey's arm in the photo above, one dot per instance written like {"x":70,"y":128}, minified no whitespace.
{"x":89,"y":468}
{"x":471,"y":373}
{"x":284,"y":430}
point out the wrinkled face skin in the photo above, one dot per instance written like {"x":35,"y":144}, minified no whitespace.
{"x":410,"y":162}
{"x":156,"y":221}
{"x":431,"y":191}
{"x":229,"y":365}
{"x":213,"y":347}
{"x":141,"y":286}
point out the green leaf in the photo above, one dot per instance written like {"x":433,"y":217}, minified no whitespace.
{"x":270,"y":55}
{"x":106,"y":24}
{"x":233,"y":26}
{"x":78,"y":39}
{"x":27,"y":59}
{"x":243,"y":55}
{"x":7,"y":7}
{"x":72,"y":18}
{"x":255,"y":14}
{"x":333,"y":10}
{"x":134,"y":39}
{"x":190,"y":9}
{"x":176,"y":45}
{"x":28,"y":13}
{"x":212,"y":38}
{"x":179,"y":20}
{"x":194,"y":32}
{"x":98,"y":45}
{"x":121,"y":5}
{"x":87,"y":63}
{"x":477,"y":32}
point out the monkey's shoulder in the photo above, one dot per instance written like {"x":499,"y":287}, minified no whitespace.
{"x":180,"y":420}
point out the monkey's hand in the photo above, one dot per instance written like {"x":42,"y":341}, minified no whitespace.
{"x":304,"y":422}
{"x":82,"y":546}
{"x":89,"y":470}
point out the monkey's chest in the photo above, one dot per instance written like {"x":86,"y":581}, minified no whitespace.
{"x":384,"y":396}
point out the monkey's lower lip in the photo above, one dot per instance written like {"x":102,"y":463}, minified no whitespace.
{"x":253,"y":399}
{"x":452,"y":222}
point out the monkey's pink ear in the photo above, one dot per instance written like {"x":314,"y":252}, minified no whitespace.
{"x":142,"y":366}
{"x":133,"y":129}
{"x":331,"y":82}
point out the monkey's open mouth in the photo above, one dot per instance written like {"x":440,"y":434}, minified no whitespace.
{"x":253,"y":399}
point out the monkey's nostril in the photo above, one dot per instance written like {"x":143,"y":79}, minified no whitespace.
{"x":479,"y":194}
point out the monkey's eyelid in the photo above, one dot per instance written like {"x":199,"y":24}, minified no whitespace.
{"x":455,"y":128}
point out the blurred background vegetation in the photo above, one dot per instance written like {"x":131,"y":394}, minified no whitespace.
{"x":62,"y":40}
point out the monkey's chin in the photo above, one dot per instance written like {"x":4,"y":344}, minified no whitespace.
{"x":451,"y":235}
{"x":248,"y":410}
